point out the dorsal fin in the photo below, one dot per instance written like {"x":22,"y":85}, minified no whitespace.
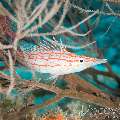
{"x":48,"y":44}
{"x":43,"y":45}
{"x":52,"y":44}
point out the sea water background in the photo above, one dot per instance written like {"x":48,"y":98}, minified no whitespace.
{"x":107,"y":35}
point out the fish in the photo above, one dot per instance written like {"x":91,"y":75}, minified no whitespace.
{"x":57,"y":61}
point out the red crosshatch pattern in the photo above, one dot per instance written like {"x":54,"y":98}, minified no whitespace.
{"x":60,"y":56}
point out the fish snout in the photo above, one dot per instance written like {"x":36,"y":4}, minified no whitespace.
{"x":99,"y":61}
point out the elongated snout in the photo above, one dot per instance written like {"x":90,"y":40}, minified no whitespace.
{"x":101,"y":61}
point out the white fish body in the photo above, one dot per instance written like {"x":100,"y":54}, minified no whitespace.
{"x":57,"y":62}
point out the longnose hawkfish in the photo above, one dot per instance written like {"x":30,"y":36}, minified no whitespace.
{"x":55,"y":61}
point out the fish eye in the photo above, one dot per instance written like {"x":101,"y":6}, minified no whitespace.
{"x":81,"y":60}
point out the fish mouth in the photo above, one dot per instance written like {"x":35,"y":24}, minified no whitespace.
{"x":100,"y":61}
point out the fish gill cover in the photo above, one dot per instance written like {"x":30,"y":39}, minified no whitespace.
{"x":49,"y":56}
